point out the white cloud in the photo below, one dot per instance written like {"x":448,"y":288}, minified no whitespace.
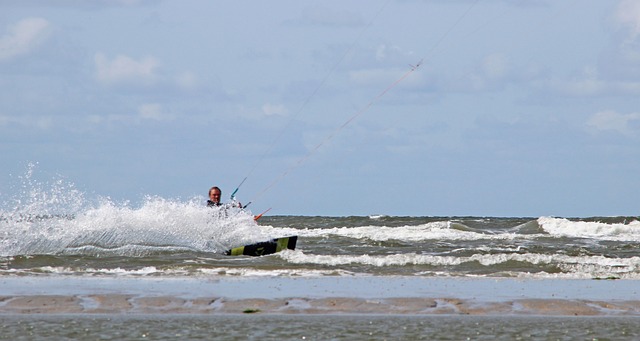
{"x":627,"y":15}
{"x":586,"y":84}
{"x":82,"y":4}
{"x":384,"y":52}
{"x":127,"y":2}
{"x":328,"y":17}
{"x":187,"y":80}
{"x":385,"y":77}
{"x":153,"y":111}
{"x":124,"y":69}
{"x":372,"y":76}
{"x":23,"y":38}
{"x":381,"y":52}
{"x":145,"y":112}
{"x":492,"y":73}
{"x":273,"y":109}
{"x":495,"y":66}
{"x":589,"y":83}
{"x":37,"y":122}
{"x":609,"y":120}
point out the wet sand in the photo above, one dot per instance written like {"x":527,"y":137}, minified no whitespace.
{"x":319,"y":295}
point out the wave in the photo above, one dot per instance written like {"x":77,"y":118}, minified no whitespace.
{"x":578,"y":266}
{"x":454,"y":230}
{"x":442,"y":230}
{"x":305,"y":265}
{"x":562,"y":227}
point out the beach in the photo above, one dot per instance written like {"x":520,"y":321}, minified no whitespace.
{"x":320,"y":295}
{"x":317,"y":308}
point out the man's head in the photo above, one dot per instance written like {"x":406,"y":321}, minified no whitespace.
{"x":214,"y":194}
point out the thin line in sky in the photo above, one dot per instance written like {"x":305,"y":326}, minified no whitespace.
{"x":314,"y":92}
{"x":366,"y":108}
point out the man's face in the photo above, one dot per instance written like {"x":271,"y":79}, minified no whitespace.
{"x":214,"y":195}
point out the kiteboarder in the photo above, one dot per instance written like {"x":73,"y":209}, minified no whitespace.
{"x":214,"y":198}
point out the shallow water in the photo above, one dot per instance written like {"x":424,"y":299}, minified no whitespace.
{"x":343,"y":327}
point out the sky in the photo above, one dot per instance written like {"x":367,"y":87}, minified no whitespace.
{"x":360,"y":107}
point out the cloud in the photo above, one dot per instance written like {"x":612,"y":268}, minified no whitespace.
{"x":609,"y":120}
{"x":23,"y":37}
{"x":589,"y":83}
{"x":323,"y":16}
{"x":124,"y":69}
{"x":35,"y":122}
{"x":385,"y":77}
{"x":627,"y":15}
{"x":495,"y":66}
{"x":384,"y":52}
{"x":127,"y":2}
{"x":273,"y":109}
{"x":153,"y":111}
{"x":493,"y":72}
{"x":145,"y":112}
{"x":187,"y":80}
{"x":81,"y":4}
{"x":622,"y":59}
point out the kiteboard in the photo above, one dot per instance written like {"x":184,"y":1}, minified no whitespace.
{"x":264,"y":248}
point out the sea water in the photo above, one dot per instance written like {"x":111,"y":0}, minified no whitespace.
{"x":306,"y":327}
{"x":168,"y":238}
{"x":50,"y":229}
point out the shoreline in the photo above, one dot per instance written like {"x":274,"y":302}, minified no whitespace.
{"x":369,"y":295}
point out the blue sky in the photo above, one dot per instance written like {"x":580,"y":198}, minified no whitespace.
{"x":519,"y":108}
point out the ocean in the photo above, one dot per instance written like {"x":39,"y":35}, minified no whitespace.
{"x":81,"y":256}
{"x":172,"y":238}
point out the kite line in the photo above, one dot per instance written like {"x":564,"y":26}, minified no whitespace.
{"x":404,"y":76}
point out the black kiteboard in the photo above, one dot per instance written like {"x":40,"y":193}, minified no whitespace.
{"x":264,"y":248}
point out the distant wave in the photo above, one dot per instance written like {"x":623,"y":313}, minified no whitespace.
{"x":443,"y":230}
{"x":576,"y":266}
{"x":591,"y":229}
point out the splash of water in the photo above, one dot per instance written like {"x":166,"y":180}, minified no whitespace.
{"x":35,"y":198}
{"x":53,"y":217}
